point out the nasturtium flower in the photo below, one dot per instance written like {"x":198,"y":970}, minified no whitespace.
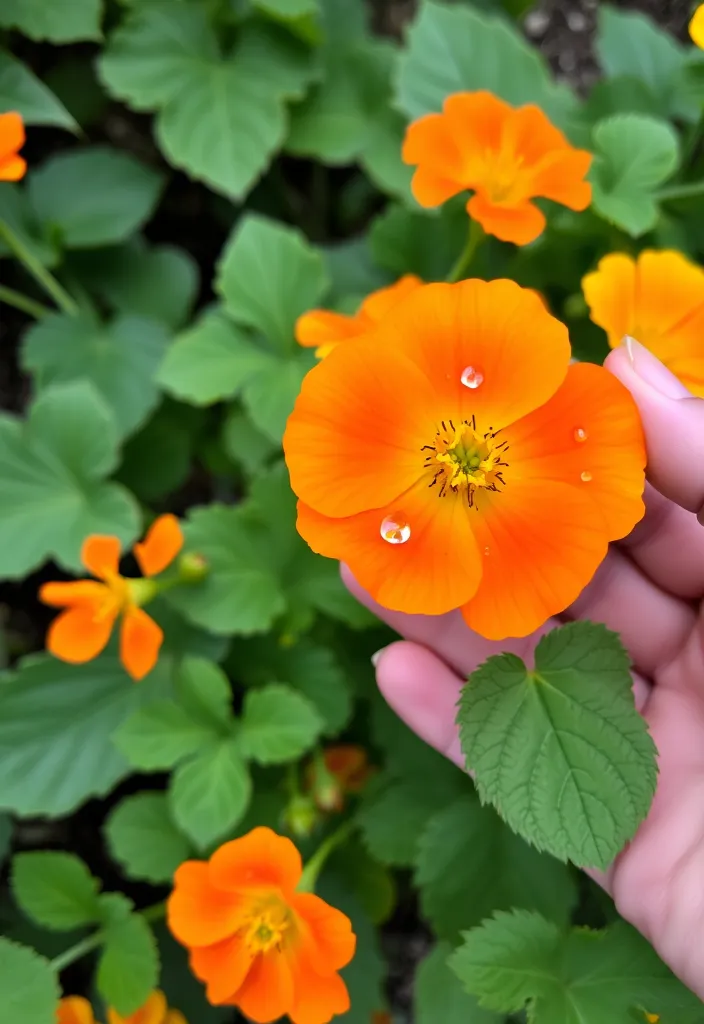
{"x":82,"y":631}
{"x":658,"y":299}
{"x":507,"y":156}
{"x":696,"y":27}
{"x":323,"y":329}
{"x":12,"y":165}
{"x":257,"y":942}
{"x":77,"y":1010}
{"x":453,"y":458}
{"x":343,"y":769}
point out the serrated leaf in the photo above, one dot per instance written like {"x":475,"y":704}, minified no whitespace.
{"x":457,"y":49}
{"x":209,"y":794}
{"x":20,"y":90}
{"x":144,"y":840}
{"x":54,"y":493}
{"x":128,"y":970}
{"x":120,"y":359}
{"x":55,"y":889}
{"x":469,"y":864}
{"x":55,"y":21}
{"x":93,"y":197}
{"x":635,"y":154}
{"x":561,"y":752}
{"x":30,"y":988}
{"x":278,"y":725}
{"x":56,"y":723}
{"x":584,"y":977}
{"x":438,"y":994}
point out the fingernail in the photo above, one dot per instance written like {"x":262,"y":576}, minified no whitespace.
{"x":651,"y":370}
{"x":376,"y":657}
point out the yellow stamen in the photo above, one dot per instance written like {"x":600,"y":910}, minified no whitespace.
{"x":266,"y":927}
{"x":464,"y":460}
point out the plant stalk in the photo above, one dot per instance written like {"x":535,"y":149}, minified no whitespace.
{"x":23,"y":302}
{"x":317,"y":862}
{"x":40,"y":274}
{"x":475,"y":237}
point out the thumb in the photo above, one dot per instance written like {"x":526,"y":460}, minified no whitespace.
{"x":673,"y":423}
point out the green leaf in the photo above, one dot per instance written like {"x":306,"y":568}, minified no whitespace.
{"x":406,"y":241}
{"x":241,"y":593}
{"x":53,"y":467}
{"x":287,"y":9}
{"x":456,"y":49}
{"x":17,"y":213}
{"x":470,"y":864}
{"x":55,"y":21}
{"x":129,"y":965}
{"x":585,"y":977}
{"x":278,"y":725}
{"x":157,"y":459}
{"x":93,"y":197}
{"x":20,"y":90}
{"x":56,"y":723}
{"x":245,"y":444}
{"x":635,"y":154}
{"x":439,"y":996}
{"x":30,"y":988}
{"x":372,"y":883}
{"x":561,"y":752}
{"x":120,"y":359}
{"x":210,"y":794}
{"x":55,"y":889}
{"x":144,"y":840}
{"x":5,"y":836}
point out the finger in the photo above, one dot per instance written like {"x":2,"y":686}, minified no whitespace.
{"x":448,"y":635}
{"x":653,"y":624}
{"x":673,"y":422}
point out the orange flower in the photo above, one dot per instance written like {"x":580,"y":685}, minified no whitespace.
{"x":657,"y":299}
{"x":81,"y":632}
{"x":324,"y":330}
{"x":696,"y":27}
{"x":507,"y":156}
{"x":345,"y":769}
{"x":75,"y":1010}
{"x":652,"y":1018}
{"x":453,"y":459}
{"x":12,"y":166}
{"x":256,"y":942}
{"x":155,"y":1011}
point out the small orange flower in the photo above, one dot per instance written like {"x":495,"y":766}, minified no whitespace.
{"x":12,"y":137}
{"x":81,"y":632}
{"x":255,"y":941}
{"x":507,"y":156}
{"x":696,"y":27}
{"x":324,"y":330}
{"x":652,"y":1018}
{"x":658,"y":299}
{"x":76,"y":1010}
{"x":453,"y":458}
{"x":345,"y":769}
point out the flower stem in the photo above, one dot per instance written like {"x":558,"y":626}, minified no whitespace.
{"x":475,"y":237}
{"x":317,"y":862}
{"x":12,"y":298}
{"x":688,"y":190}
{"x":40,"y":274}
{"x":91,"y":942}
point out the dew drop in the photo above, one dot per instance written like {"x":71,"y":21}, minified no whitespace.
{"x":486,"y":551}
{"x":395,"y":530}
{"x":471,"y":377}
{"x":580,"y":435}
{"x":586,"y":476}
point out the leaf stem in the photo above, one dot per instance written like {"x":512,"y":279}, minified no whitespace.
{"x":317,"y":862}
{"x":688,"y":190}
{"x":23,"y":302}
{"x":475,"y":237}
{"x":40,"y":274}
{"x":73,"y":953}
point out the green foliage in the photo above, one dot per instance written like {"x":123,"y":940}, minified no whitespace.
{"x":144,"y":839}
{"x":21,"y":90}
{"x":55,"y":889}
{"x":439,"y":996}
{"x":29,"y":987}
{"x":58,"y":23}
{"x":278,"y":725}
{"x":128,"y":969}
{"x":561,"y":750}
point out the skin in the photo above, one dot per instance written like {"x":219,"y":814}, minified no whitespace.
{"x":650,"y":589}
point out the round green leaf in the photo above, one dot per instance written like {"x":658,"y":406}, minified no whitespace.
{"x":129,"y":965}
{"x":278,"y":725}
{"x":143,"y":838}
{"x":210,"y":794}
{"x":30,"y":989}
{"x":56,"y":889}
{"x":58,"y":22}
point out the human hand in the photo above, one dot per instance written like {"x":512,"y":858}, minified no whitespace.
{"x":650,"y":589}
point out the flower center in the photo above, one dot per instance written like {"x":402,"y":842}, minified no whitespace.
{"x":462,"y":459}
{"x":265,"y":928}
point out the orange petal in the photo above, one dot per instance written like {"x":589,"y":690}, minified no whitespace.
{"x":691,"y":372}
{"x":437,"y":569}
{"x":331,"y":939}
{"x":696,"y":27}
{"x":101,"y":555}
{"x":140,"y":641}
{"x":477,"y":121}
{"x":13,"y":168}
{"x":260,"y":858}
{"x":560,"y":177}
{"x":163,"y":542}
{"x":610,"y":293}
{"x":198,"y":913}
{"x":267,"y":992}
{"x":432,"y":189}
{"x":74,"y":1010}
{"x":323,"y":327}
{"x":379,"y":303}
{"x":175,"y":1017}
{"x":429,"y":143}
{"x":591,"y":425}
{"x":81,"y":633}
{"x":519,"y":224}
{"x":319,"y":999}
{"x":76,"y":592}
{"x":12,"y":134}
{"x":153,"y":1012}
{"x":223,"y":967}
{"x":669,"y":304}
{"x":543,"y":541}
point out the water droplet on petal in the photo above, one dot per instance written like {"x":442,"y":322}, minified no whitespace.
{"x":580,"y":435}
{"x":586,"y":476}
{"x":395,"y":529}
{"x":472,"y":377}
{"x":486,"y":551}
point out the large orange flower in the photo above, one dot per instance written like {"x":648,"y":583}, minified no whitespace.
{"x":453,"y":459}
{"x":81,"y":632}
{"x":77,"y":1010}
{"x":657,"y":299}
{"x":507,"y":156}
{"x":12,"y":166}
{"x":254,"y":940}
{"x":696,"y":27}
{"x":323,"y":330}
